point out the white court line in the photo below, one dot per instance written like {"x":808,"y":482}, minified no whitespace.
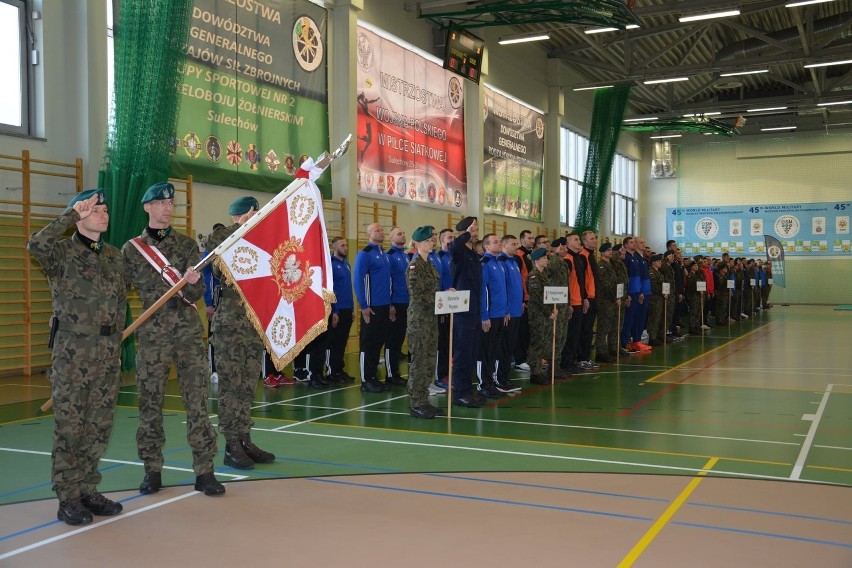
{"x":286,"y":426}
{"x":93,"y":526}
{"x":311,"y":395}
{"x":124,"y":462}
{"x":548,"y":456}
{"x":809,"y":439}
{"x":834,"y":448}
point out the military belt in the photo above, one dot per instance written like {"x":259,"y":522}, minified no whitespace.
{"x":85,"y":329}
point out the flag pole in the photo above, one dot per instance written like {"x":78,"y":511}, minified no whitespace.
{"x":450,"y":373}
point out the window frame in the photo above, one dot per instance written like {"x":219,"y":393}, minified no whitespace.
{"x":574,"y":151}
{"x":26,"y":45}
{"x":624,"y":195}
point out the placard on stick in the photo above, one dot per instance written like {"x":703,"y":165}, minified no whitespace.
{"x":452,"y":302}
{"x":556,"y":294}
{"x":701,"y":286}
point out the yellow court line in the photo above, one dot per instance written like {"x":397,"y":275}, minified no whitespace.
{"x":765,"y":387}
{"x":843,"y":469}
{"x":661,"y":522}
{"x":697,"y":357}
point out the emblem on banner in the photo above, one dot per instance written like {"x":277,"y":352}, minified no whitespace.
{"x":706,"y":228}
{"x":281,"y":332}
{"x":301,"y":210}
{"x":244,"y":261}
{"x":289,"y":271}
{"x":307,"y":44}
{"x":365,"y":52}
{"x":787,"y":226}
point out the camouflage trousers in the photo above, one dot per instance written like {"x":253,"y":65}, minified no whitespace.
{"x":238,"y":351}
{"x":157,"y":352}
{"x":656,"y":325}
{"x":695,"y":314}
{"x":606,"y":338}
{"x":722,"y":306}
{"x":84,"y":395}
{"x":541,"y":343}
{"x":423,"y":346}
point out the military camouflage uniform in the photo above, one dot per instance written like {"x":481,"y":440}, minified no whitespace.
{"x":171,"y":335}
{"x":237,"y":345}
{"x":558,"y":271}
{"x":422,"y":279}
{"x":541,"y":326}
{"x":693,"y":298}
{"x":656,"y":325}
{"x":89,"y":294}
{"x":668,"y":310}
{"x":723,"y":297}
{"x":621,"y":270}
{"x":606,"y":338}
{"x":737,"y":296}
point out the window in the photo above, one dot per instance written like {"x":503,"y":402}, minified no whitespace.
{"x":623,"y":187}
{"x":15,"y":39}
{"x":572,"y":169}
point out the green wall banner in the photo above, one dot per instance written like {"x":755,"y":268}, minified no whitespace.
{"x":514,"y":157}
{"x":254,"y":96}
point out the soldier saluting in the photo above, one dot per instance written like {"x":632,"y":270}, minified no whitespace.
{"x":89,"y":291}
{"x":156,"y":260}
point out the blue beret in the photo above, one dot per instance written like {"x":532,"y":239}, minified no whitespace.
{"x":84,"y":195}
{"x":158,"y":192}
{"x":243,"y":205}
{"x":538,"y":253}
{"x":422,"y":233}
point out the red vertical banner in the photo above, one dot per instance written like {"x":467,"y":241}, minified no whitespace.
{"x":410,"y":139}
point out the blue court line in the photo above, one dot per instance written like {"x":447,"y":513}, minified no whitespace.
{"x":49,"y":483}
{"x":766,"y":534}
{"x":483,"y":499}
{"x":775,"y":513}
{"x":550,"y":487}
{"x":55,"y":522}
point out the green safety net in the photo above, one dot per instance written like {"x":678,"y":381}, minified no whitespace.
{"x":610,"y":105}
{"x":150,"y":51}
{"x":698,"y":124}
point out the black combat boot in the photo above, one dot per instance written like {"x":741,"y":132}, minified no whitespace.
{"x":73,"y":512}
{"x":235,"y":456}
{"x":254,"y":453}
{"x":208,"y":484}
{"x":151,"y":483}
{"x":97,"y":504}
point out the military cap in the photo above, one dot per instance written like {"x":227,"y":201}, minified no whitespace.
{"x":537,"y":253}
{"x":668,"y":253}
{"x":561,"y":241}
{"x":158,"y":192}
{"x":656,"y":257}
{"x":616,"y":247}
{"x":465,"y":223}
{"x":84,"y":195}
{"x":605,"y":247}
{"x":422,"y":233}
{"x":243,"y":205}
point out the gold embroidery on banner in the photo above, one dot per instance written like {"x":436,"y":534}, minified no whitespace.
{"x":301,"y":209}
{"x":293,"y":277}
{"x":244,"y":260}
{"x":281,"y":331}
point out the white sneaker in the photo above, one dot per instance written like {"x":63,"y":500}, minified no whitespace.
{"x":524,"y":367}
{"x":214,"y":378}
{"x":435,"y":389}
{"x":706,"y":327}
{"x":744,"y":316}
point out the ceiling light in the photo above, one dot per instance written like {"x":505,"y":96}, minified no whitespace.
{"x":778,"y":128}
{"x":655,"y":81}
{"x":666,"y":136}
{"x":600,"y":30}
{"x":641,"y":119}
{"x":743,"y":73}
{"x":844,"y":62}
{"x":766,"y":109}
{"x":631,"y":26}
{"x":709,"y":16}
{"x":805,"y":3}
{"x":506,"y":40}
{"x":593,"y":88}
{"x":834,"y":103}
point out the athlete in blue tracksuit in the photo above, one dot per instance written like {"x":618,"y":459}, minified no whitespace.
{"x":372,"y":283}
{"x":493,"y":312}
{"x":398,"y":261}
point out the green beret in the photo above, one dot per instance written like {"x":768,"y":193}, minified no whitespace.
{"x":616,"y":247}
{"x":243,"y":205}
{"x":422,"y":233}
{"x":159,"y":192}
{"x":84,"y":195}
{"x":465,"y":223}
{"x":605,"y":247}
{"x":656,"y":257}
{"x":537,"y":254}
{"x":559,"y":242}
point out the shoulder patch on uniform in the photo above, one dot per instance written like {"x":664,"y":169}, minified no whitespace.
{"x":411,"y":266}
{"x":367,"y":248}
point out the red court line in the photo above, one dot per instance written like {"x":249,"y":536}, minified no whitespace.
{"x":678,"y":382}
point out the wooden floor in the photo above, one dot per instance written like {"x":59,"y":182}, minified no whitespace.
{"x":733,"y":449}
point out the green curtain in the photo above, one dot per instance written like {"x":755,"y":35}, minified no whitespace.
{"x":607,"y":118}
{"x":150,"y":53}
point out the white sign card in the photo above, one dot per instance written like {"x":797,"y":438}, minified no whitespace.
{"x":619,"y":290}
{"x":452,"y":302}
{"x":701,"y":286}
{"x":752,"y":282}
{"x":769,"y":281}
{"x":667,"y":288}
{"x":556,"y":294}
{"x":732,"y":285}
